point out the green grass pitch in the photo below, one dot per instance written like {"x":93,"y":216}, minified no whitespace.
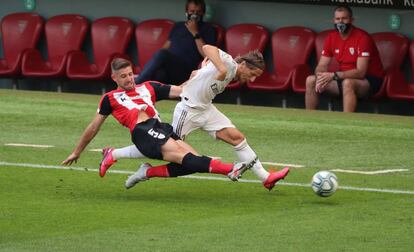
{"x":71,"y":210}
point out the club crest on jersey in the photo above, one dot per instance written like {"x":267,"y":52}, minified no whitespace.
{"x":351,"y":50}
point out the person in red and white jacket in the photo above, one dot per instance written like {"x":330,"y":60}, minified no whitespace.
{"x":133,"y":106}
{"x":360,"y":72}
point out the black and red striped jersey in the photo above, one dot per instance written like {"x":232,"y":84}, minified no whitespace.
{"x":125,"y":105}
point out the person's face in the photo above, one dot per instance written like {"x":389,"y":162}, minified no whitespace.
{"x":124,"y":78}
{"x":194,"y":9}
{"x":342,"y":16}
{"x":247,"y":74}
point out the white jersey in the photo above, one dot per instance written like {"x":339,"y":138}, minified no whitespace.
{"x":200,"y":90}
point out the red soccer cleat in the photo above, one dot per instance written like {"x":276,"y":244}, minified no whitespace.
{"x":107,"y":161}
{"x":270,"y":182}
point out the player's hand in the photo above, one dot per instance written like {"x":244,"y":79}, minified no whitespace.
{"x":205,"y":62}
{"x":322,"y":79}
{"x":192,"y":26}
{"x":72,"y":158}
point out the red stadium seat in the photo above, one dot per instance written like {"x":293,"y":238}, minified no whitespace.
{"x":398,"y":87}
{"x":242,"y":38}
{"x":150,"y":36}
{"x":110,"y":38}
{"x":19,"y":32}
{"x":64,"y":33}
{"x":299,"y":84}
{"x":291,"y":47}
{"x":392,"y":48}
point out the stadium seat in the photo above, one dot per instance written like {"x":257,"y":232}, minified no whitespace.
{"x":219,"y":35}
{"x":242,"y":38}
{"x":392,"y":48}
{"x":291,"y":48}
{"x":19,"y":32}
{"x":299,"y":86}
{"x":150,"y":36}
{"x":110,"y":38}
{"x":398,"y":87}
{"x":64,"y":33}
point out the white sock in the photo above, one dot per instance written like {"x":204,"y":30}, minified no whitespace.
{"x":245,"y":153}
{"x":127,"y":152}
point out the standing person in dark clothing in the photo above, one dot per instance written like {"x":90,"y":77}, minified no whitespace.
{"x":183,"y":52}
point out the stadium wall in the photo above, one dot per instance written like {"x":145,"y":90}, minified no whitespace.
{"x":272,"y":15}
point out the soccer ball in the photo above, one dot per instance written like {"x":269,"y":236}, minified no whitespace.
{"x":324,"y":183}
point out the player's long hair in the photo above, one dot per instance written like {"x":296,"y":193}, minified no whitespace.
{"x":254,"y":59}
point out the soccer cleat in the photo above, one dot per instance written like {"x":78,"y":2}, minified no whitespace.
{"x":107,"y":160}
{"x":239,"y":169}
{"x":273,"y":177}
{"x":138,"y":176}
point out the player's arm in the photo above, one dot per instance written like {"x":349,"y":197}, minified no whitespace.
{"x":90,"y":132}
{"x":357,"y":73}
{"x":165,"y":91}
{"x":175,"y":91}
{"x":322,"y":76}
{"x":213,"y":54}
{"x":322,"y":64}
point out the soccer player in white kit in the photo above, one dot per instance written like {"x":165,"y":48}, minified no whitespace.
{"x":196,"y":111}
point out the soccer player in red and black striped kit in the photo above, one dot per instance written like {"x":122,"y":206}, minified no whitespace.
{"x":133,"y":106}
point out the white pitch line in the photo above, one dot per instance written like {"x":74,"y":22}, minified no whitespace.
{"x":351,"y":188}
{"x":100,"y":150}
{"x":28,"y":145}
{"x":283,"y":164}
{"x":96,"y":150}
{"x":370,"y":172}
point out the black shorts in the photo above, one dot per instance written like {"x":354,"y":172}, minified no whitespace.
{"x":375,"y":84}
{"x":148,"y":136}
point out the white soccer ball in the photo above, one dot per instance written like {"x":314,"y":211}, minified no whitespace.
{"x":324,"y":183}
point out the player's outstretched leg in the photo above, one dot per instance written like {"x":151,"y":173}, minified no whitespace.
{"x":273,"y":177}
{"x":207,"y":165}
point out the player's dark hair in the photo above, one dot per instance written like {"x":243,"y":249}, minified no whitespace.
{"x":120,"y":63}
{"x":253,"y":59}
{"x":344,"y":8}
{"x":198,"y":3}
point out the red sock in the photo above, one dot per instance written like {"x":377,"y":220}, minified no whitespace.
{"x":158,"y":171}
{"x":216,"y":166}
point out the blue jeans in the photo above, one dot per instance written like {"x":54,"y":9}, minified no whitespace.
{"x":166,"y":68}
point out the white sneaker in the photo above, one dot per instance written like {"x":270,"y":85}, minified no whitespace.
{"x":239,"y":169}
{"x":138,"y":176}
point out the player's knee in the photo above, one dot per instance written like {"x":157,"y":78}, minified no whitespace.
{"x":348,"y":85}
{"x":310,"y":82}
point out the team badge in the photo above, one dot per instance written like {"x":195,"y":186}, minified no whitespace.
{"x":352,"y":50}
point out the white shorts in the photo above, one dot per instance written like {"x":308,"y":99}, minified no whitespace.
{"x":187,"y":119}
